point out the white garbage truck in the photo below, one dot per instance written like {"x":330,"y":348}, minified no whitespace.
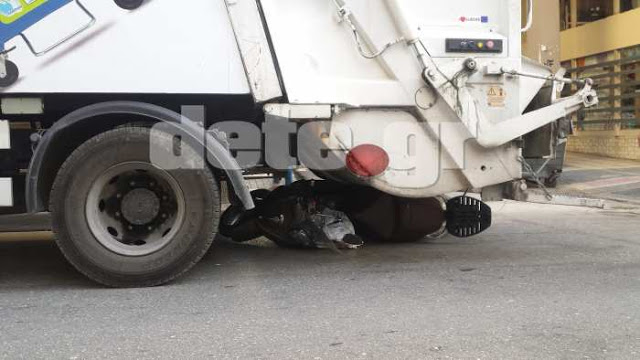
{"x":128,"y":120}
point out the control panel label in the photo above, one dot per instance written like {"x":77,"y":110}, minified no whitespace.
{"x":492,"y":46}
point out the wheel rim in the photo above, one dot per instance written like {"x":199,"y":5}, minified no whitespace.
{"x":135,"y":209}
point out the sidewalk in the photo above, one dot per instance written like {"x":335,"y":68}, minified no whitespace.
{"x":601,"y":177}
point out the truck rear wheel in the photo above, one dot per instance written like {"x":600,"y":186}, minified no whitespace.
{"x":124,"y":222}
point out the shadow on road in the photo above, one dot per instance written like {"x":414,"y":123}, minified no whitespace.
{"x":27,"y":264}
{"x":36,"y":263}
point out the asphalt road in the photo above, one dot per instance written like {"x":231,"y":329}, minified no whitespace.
{"x":545,"y":281}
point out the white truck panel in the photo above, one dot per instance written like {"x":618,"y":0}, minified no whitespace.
{"x":255,"y":49}
{"x":318,"y":57}
{"x":466,"y":128}
{"x":163,"y":47}
{"x":313,"y":47}
{"x":5,"y":138}
{"x":6,"y":192}
{"x":486,"y":19}
{"x":6,"y":185}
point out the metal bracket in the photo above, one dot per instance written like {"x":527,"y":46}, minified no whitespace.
{"x":92,"y":20}
{"x":6,"y":51}
{"x":487,"y":133}
{"x":4,"y":56}
{"x":3,"y":64}
{"x":554,"y":77}
{"x":291,"y":111}
{"x":345,"y":15}
{"x":535,"y":175}
{"x":500,"y":134}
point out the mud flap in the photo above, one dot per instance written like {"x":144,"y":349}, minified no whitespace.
{"x":467,"y":216}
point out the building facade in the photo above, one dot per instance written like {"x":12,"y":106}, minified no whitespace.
{"x":600,"y":39}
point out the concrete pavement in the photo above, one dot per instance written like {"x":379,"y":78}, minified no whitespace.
{"x":601,"y":177}
{"x":544,"y":282}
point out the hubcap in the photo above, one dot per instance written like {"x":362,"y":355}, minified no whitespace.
{"x":140,"y":206}
{"x":135,"y":209}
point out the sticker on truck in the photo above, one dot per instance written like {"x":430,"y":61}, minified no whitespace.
{"x":474,"y":19}
{"x":17,"y":16}
{"x":12,"y":10}
{"x":496,"y":96}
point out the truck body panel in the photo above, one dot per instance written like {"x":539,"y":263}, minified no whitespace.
{"x":163,"y":47}
{"x":321,"y":63}
{"x":310,"y":52}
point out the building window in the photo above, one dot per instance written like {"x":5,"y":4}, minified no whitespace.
{"x":592,"y":10}
{"x":626,"y":5}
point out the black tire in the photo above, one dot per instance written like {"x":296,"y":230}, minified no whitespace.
{"x":552,"y":181}
{"x":129,"y":4}
{"x":13,"y":74}
{"x":74,"y":236}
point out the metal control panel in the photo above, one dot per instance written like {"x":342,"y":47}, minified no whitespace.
{"x":493,"y":46}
